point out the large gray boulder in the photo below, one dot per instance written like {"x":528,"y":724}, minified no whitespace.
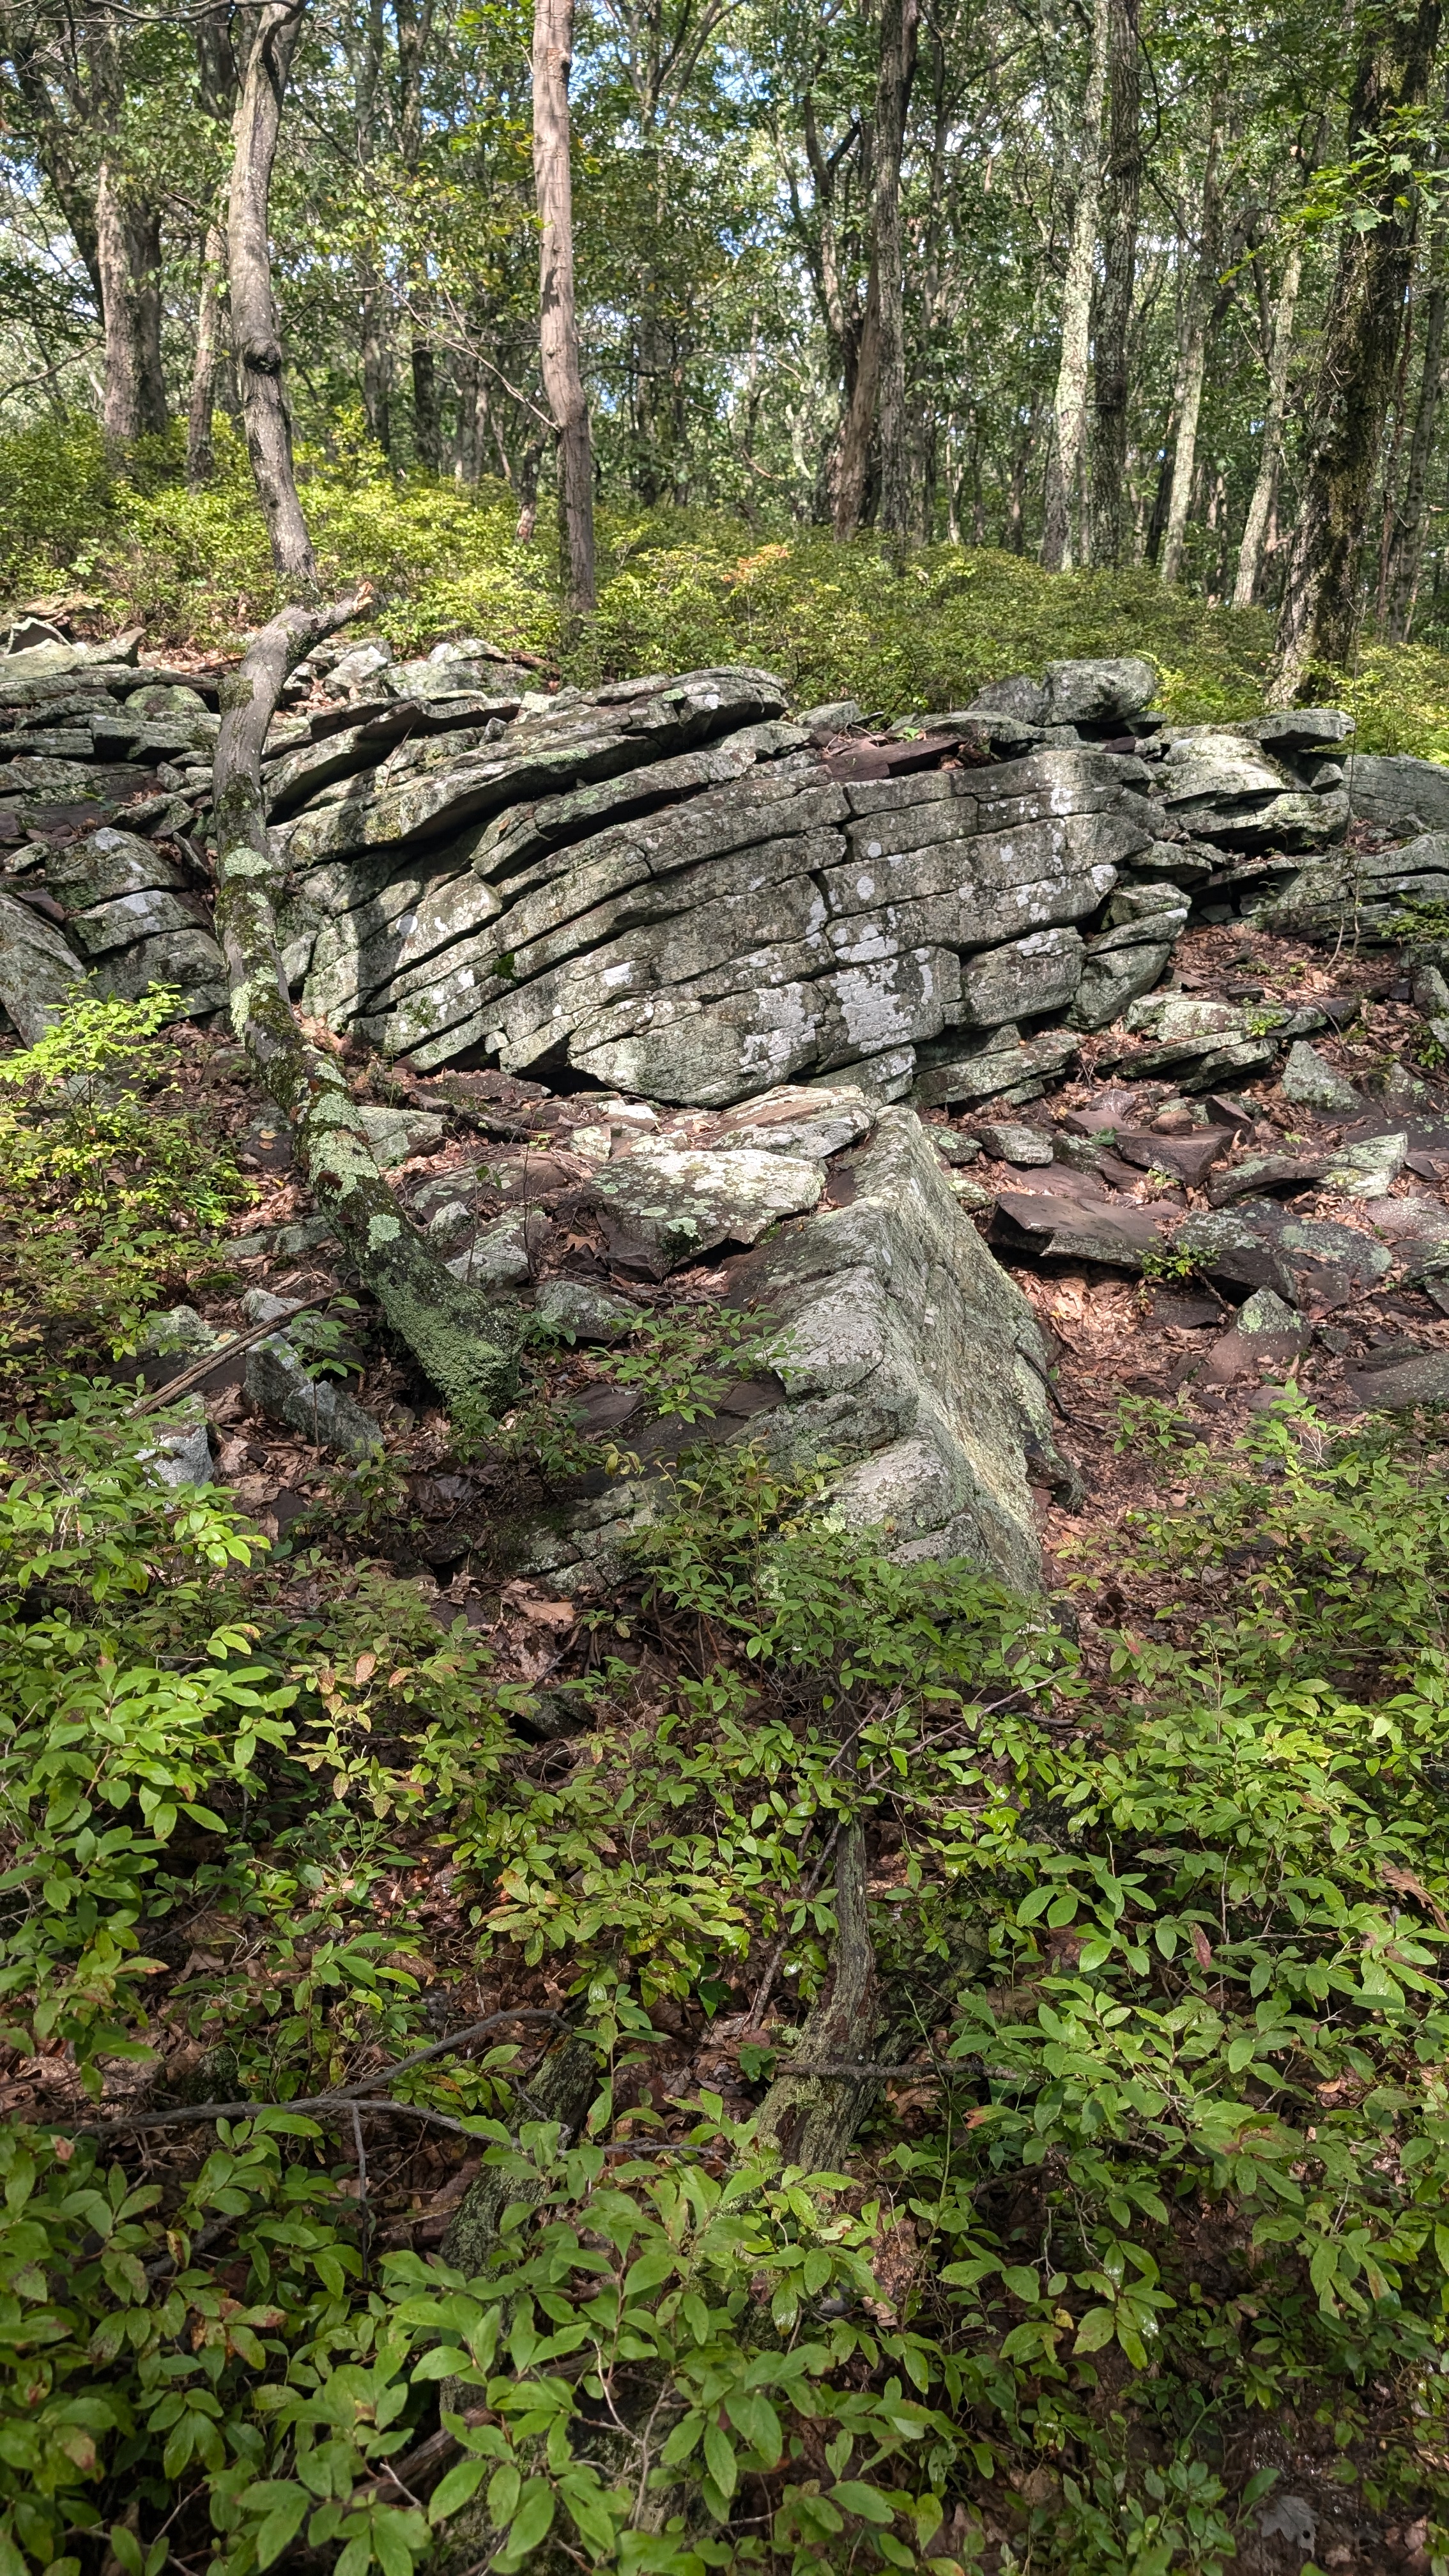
{"x":1398,"y":792}
{"x":38,"y":970}
{"x":907,"y":1358}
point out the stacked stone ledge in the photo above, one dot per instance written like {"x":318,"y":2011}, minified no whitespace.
{"x":670,"y":887}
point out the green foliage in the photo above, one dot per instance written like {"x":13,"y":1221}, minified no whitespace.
{"x":677,"y":589}
{"x":1165,"y":1923}
{"x":106,"y":1188}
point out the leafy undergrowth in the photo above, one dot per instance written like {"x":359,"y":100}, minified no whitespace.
{"x":1156,"y":2226}
{"x":1144,"y":2240}
{"x":678,"y":589}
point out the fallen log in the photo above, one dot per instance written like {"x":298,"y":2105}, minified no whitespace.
{"x":466,"y":1342}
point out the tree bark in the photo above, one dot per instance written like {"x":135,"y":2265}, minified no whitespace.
{"x":199,"y":450}
{"x":266,"y":418}
{"x":120,"y":400}
{"x":467,"y":1344}
{"x":558,"y":330}
{"x":1322,"y":606}
{"x":898,"y":34}
{"x":1062,"y":535}
{"x":1255,"y":526}
{"x":143,"y":239}
{"x":1193,"y":359}
{"x":852,"y":458}
{"x":414,"y":25}
{"x":1406,"y":546}
{"x":1121,"y":184}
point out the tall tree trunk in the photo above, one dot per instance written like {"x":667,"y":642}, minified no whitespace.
{"x":120,"y":401}
{"x":265,"y":415}
{"x":558,"y":328}
{"x":143,"y":234}
{"x":376,"y":367}
{"x":414,"y":26}
{"x":851,"y":463}
{"x":1061,"y":538}
{"x":881,"y":347}
{"x":199,"y":452}
{"x":467,"y":1343}
{"x":1121,"y":184}
{"x":1193,"y":357}
{"x":899,"y":25}
{"x":1322,"y":607}
{"x":1406,"y":546}
{"x":1255,"y":526}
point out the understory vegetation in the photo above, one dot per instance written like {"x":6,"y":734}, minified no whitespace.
{"x":1152,"y":2199}
{"x":678,"y":589}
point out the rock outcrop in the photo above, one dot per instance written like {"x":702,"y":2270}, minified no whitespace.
{"x":894,"y":1348}
{"x":670,"y":886}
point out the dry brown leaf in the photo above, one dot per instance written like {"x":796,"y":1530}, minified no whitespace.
{"x":1405,"y":1883}
{"x":1201,"y":1948}
{"x":366,"y":1667}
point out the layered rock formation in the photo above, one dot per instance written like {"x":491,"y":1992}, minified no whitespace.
{"x":668,"y":886}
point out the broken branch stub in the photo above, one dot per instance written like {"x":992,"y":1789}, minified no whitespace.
{"x":466,"y":1342}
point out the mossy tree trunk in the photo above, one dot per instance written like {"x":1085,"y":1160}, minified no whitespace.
{"x":467,"y":1343}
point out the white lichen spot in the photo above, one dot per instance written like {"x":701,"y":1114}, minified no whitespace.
{"x":382,"y":1229}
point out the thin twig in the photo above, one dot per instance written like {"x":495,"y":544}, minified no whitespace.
{"x":341,"y":2098}
{"x":801,"y":1897}
{"x":228,"y":1350}
{"x":364,"y":2214}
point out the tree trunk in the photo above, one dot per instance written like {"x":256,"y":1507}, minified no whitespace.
{"x":466,"y":1343}
{"x":1121,"y":182}
{"x":199,"y":453}
{"x":1193,"y":359}
{"x":1255,"y":526}
{"x":1322,"y":607}
{"x":899,"y":24}
{"x":879,"y":387}
{"x":143,"y":234}
{"x":1406,"y":547}
{"x":120,"y":400}
{"x":376,"y":368}
{"x":558,"y":329}
{"x":1061,"y":538}
{"x":414,"y":26}
{"x":265,"y":415}
{"x":851,"y":476}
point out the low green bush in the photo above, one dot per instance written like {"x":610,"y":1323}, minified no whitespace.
{"x":677,"y":589}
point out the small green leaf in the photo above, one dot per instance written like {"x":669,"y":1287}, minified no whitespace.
{"x":858,"y":2498}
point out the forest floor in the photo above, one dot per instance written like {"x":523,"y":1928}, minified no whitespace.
{"x":282,"y":1985}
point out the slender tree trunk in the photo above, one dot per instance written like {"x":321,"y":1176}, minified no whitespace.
{"x":1193,"y":359}
{"x":467,"y":1343}
{"x":414,"y":26}
{"x":1061,"y":539}
{"x":1322,"y":607}
{"x":376,"y":367}
{"x":851,"y":475}
{"x":199,"y":452}
{"x":1121,"y":184}
{"x":558,"y":328}
{"x":899,"y":24}
{"x":120,"y":407}
{"x":265,"y":414}
{"x":1406,"y":547}
{"x":143,"y":236}
{"x":1255,"y":526}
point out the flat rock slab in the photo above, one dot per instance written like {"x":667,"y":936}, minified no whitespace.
{"x":1398,"y":1390}
{"x":669,"y":1204}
